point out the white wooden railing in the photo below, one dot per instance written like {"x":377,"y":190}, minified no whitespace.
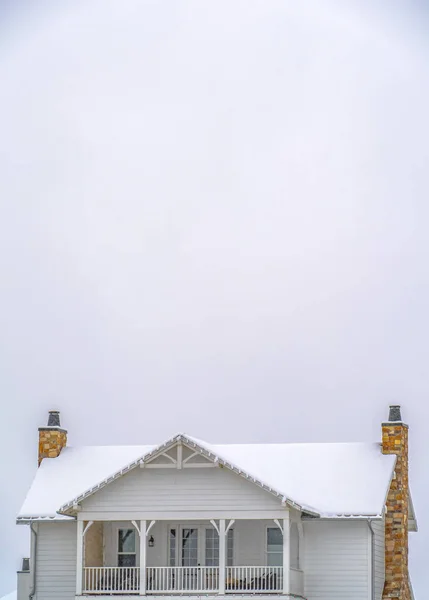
{"x":111,"y":580}
{"x":182,"y":579}
{"x":188,"y":580}
{"x":254,"y":579}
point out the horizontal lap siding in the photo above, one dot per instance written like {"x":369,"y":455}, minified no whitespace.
{"x":56,"y":561}
{"x":180,"y":490}
{"x":337,"y":561}
{"x":378,"y":527}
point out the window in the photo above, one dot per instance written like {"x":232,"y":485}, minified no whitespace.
{"x":172,"y":542}
{"x":274,"y":547}
{"x":126,"y":548}
{"x":212,"y":548}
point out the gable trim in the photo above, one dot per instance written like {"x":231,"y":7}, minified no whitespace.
{"x":181,"y":438}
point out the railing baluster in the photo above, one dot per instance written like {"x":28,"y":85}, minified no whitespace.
{"x":195,"y":580}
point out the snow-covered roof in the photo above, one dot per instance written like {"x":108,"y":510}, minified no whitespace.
{"x":328,"y":479}
{"x":61,"y":479}
{"x":332,"y":479}
{"x":11,"y":596}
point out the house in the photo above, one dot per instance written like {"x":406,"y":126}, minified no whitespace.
{"x":315,"y":521}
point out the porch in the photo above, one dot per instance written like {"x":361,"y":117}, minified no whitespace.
{"x":190,"y":580}
{"x":220,"y":557}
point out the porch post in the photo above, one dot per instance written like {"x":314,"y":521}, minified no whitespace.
{"x":222,"y":556}
{"x":79,"y":558}
{"x":142,"y":565}
{"x":286,"y":554}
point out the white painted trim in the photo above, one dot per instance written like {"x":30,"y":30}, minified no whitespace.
{"x":175,"y":466}
{"x":182,"y":515}
{"x":79,"y":557}
{"x":371,"y":588}
{"x":191,"y":456}
{"x":286,"y":554}
{"x":231,"y":523}
{"x":88,"y":525}
{"x":179,"y":455}
{"x":222,"y":556}
{"x":188,"y":597}
{"x":215,"y":525}
{"x":136,"y":526}
{"x":199,"y":466}
{"x":158,"y":466}
{"x":152,"y":523}
{"x":279,"y":525}
{"x":301,"y":547}
{"x":143,"y":545}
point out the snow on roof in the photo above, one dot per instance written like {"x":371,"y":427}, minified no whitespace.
{"x":77,"y":469}
{"x":329,"y":479}
{"x":11,"y":596}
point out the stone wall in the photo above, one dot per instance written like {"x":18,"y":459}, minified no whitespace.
{"x":395,"y":441}
{"x":51,"y":441}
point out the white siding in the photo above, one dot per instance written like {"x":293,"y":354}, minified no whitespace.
{"x":337,"y":560}
{"x":56,"y":561}
{"x":378,"y":527}
{"x":188,"y":490}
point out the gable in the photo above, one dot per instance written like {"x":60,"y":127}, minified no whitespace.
{"x":180,"y":452}
{"x":178,"y":456}
{"x":170,"y":490}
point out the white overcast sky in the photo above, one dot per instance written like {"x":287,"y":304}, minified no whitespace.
{"x":213,"y":219}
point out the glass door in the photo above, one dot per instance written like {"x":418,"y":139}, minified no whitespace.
{"x":189,"y":558}
{"x":189,"y":549}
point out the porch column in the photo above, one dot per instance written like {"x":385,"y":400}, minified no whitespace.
{"x":142,"y":565}
{"x":79,"y":558}
{"x":222,"y":556}
{"x":286,"y":554}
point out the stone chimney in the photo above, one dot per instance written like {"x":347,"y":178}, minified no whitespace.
{"x":52,"y":439}
{"x":395,"y":441}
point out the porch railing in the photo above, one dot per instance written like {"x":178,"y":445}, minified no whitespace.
{"x":111,"y":580}
{"x":254,"y":579}
{"x":182,"y":579}
{"x":187,"y":580}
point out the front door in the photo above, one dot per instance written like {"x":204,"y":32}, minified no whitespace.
{"x":183,"y":547}
{"x":183,"y":552}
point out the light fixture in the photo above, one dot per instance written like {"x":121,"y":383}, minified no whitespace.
{"x":151,"y":542}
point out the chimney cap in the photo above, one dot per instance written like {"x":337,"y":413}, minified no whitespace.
{"x":54,"y":418}
{"x":395,"y":413}
{"x":53,"y":422}
{"x":25,"y":565}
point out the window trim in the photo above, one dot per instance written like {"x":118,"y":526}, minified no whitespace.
{"x":267,"y":527}
{"x":118,"y":554}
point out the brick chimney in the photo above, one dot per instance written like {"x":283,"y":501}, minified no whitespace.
{"x":52,"y":439}
{"x":395,"y":441}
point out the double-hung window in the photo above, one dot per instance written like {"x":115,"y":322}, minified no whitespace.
{"x":274,"y":547}
{"x":126,"y":548}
